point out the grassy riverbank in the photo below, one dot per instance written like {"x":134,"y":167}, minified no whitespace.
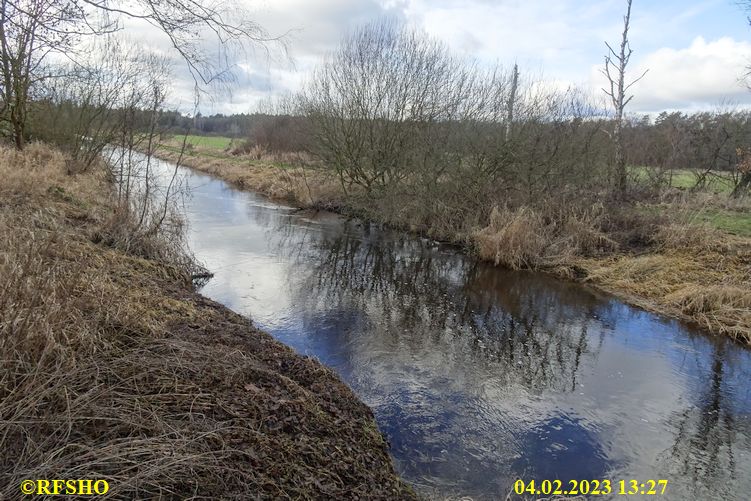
{"x":114,"y":368}
{"x":686,"y":257}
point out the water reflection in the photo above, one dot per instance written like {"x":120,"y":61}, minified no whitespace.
{"x":425,"y":297}
{"x":705,"y":449}
{"x":478,"y":375}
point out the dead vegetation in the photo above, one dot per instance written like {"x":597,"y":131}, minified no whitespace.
{"x":261,"y":171}
{"x":671,"y":265}
{"x":113,"y":368}
{"x":707,"y":281}
{"x":526,"y":239}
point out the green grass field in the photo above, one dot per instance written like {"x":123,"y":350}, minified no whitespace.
{"x":210,"y":142}
{"x":686,"y":179}
{"x":737,"y":223}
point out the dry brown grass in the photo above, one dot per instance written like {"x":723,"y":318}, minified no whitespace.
{"x":260,"y":171}
{"x":691,"y":271}
{"x":525,"y":238}
{"x":517,"y":239}
{"x":694,"y":273}
{"x":721,"y":308}
{"x":112,"y":368}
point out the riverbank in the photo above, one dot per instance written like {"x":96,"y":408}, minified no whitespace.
{"x":114,"y":368}
{"x":661,"y":258}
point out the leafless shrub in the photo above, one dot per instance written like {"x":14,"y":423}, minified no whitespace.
{"x":441,"y":141}
{"x":380,"y":104}
{"x":277,"y":134}
{"x":742,"y":174}
{"x":113,"y":95}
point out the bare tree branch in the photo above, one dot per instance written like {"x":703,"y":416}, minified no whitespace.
{"x":615,"y":71}
{"x":31,"y":30}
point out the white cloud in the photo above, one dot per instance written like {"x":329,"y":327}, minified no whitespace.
{"x":310,"y":30}
{"x":547,"y":34}
{"x":562,"y":38}
{"x":696,"y":77}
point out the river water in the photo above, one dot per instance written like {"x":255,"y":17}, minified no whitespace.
{"x":479,"y":375}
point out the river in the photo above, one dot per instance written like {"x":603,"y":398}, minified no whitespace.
{"x":479,"y":375}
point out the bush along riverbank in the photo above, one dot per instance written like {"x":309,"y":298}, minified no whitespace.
{"x":659,"y":254}
{"x":114,"y":368}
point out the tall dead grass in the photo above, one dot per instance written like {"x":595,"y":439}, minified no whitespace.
{"x":526,"y":238}
{"x":674,"y":265}
{"x":112,"y":368}
{"x":721,"y":308}
{"x":693,"y":272}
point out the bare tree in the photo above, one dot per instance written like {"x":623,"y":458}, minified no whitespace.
{"x":615,"y":71}
{"x":744,"y":156}
{"x":396,"y":114}
{"x":511,"y":99}
{"x":393,"y":106}
{"x":379,"y":105}
{"x":743,"y":173}
{"x":30,"y":30}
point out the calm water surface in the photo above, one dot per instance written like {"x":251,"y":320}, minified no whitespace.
{"x":479,"y":375}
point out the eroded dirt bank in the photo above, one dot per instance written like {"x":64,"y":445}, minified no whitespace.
{"x":685,"y":271}
{"x":114,"y":368}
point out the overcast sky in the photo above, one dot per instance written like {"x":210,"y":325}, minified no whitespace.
{"x":695,"y":50}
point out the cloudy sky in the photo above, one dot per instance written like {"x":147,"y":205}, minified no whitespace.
{"x":695,"y":50}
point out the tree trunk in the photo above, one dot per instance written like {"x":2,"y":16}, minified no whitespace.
{"x":511,"y":102}
{"x":18,"y":122}
{"x":620,"y":159}
{"x":615,"y":71}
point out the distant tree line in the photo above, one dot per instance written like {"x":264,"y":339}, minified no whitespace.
{"x":263,"y":128}
{"x":393,"y":109}
{"x":706,"y":143}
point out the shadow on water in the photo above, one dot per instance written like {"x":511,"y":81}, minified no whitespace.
{"x":478,"y":375}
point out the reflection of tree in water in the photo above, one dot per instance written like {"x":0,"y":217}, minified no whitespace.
{"x":536,"y":329}
{"x":706,"y":433}
{"x":445,"y":341}
{"x":441,"y":345}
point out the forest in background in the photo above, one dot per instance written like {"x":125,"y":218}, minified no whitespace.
{"x":710,"y":146}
